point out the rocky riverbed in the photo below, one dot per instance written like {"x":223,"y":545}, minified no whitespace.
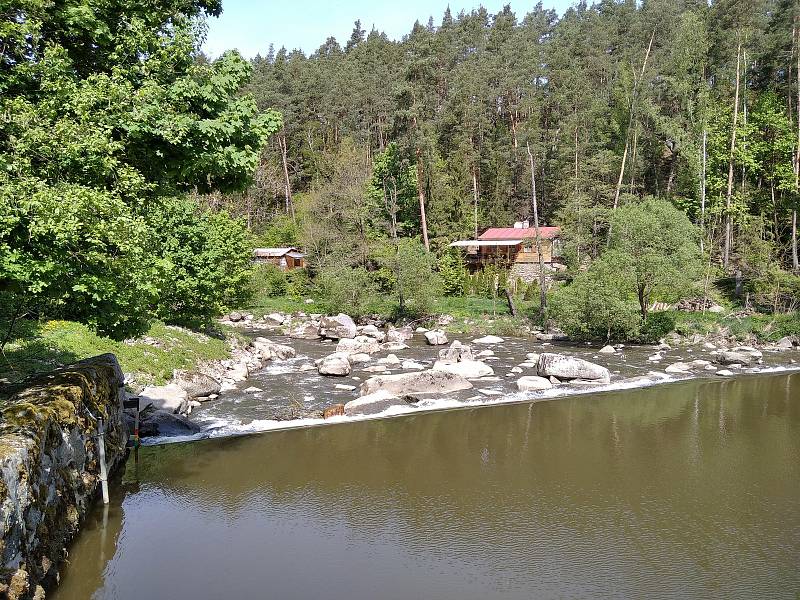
{"x":298,"y":370}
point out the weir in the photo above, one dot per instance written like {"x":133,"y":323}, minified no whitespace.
{"x":52,"y":466}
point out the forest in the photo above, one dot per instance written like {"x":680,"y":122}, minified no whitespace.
{"x":138,"y":174}
{"x":693,"y":104}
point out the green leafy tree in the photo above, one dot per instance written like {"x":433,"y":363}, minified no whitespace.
{"x":414,"y":281}
{"x":658,"y":246}
{"x":452,"y":273}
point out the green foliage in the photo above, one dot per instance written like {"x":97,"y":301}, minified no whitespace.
{"x":344,"y":289}
{"x":658,"y":245}
{"x":598,"y":303}
{"x":452,"y":273}
{"x":281,"y":232}
{"x":415,"y":283}
{"x":656,"y":326}
{"x":150,"y":359}
{"x":205,"y":260}
{"x":102,"y":125}
{"x":269,"y":281}
{"x":488,"y":282}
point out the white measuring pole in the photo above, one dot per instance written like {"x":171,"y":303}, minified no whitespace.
{"x":101,"y":448}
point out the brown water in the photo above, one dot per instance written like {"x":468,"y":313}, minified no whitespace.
{"x":688,"y":490}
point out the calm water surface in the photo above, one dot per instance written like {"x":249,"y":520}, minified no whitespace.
{"x":689,"y":490}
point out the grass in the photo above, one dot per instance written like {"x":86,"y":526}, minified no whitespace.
{"x":148,"y":359}
{"x":751,"y":328}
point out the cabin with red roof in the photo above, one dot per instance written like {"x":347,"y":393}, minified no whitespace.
{"x":514,"y":248}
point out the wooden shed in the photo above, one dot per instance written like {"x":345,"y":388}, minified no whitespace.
{"x":284,"y":258}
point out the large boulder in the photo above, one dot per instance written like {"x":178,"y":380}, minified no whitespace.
{"x":373,"y":332}
{"x":268,"y":350}
{"x":337,"y":365}
{"x":436,"y":337}
{"x":786,"y":343}
{"x":196,"y":384}
{"x":489,"y":339}
{"x":304,"y":330}
{"x":275,"y":319}
{"x":532,"y":383}
{"x":430,"y":381}
{"x":371,"y":404}
{"x":361,"y":344}
{"x":339,"y":327}
{"x":471,"y":369}
{"x":171,"y":397}
{"x":154,"y":422}
{"x":456,"y":352}
{"x":743,"y":355}
{"x":401,"y":334}
{"x":567,"y":367}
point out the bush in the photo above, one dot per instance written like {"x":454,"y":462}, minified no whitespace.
{"x":656,"y":326}
{"x":268,"y":280}
{"x":452,"y":274}
{"x":205,"y":261}
{"x":344,"y":289}
{"x":595,"y":306}
{"x":415,"y":283}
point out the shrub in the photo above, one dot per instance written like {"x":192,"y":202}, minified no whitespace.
{"x":344,"y":289}
{"x":205,"y":261}
{"x":595,"y":306}
{"x":268,"y":280}
{"x":415,"y":283}
{"x":656,"y":326}
{"x":452,"y":274}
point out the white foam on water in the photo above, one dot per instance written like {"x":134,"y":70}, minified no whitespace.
{"x":220,"y":428}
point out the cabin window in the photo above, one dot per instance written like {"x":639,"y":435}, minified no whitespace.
{"x":526,"y":248}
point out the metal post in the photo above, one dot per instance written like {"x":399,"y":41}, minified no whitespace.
{"x":101,"y":448}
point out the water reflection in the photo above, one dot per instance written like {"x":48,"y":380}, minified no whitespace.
{"x":685,"y":490}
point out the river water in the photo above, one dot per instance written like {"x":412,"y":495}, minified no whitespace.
{"x":684,"y":490}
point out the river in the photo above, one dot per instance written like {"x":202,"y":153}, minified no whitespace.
{"x":685,"y":490}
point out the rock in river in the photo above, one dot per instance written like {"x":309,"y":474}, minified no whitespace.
{"x":268,"y":350}
{"x":466,"y":368}
{"x":743,"y":355}
{"x":436,"y":337}
{"x":336,"y":364}
{"x":456,"y":352}
{"x":196,"y":384}
{"x":568,"y":367}
{"x":607,"y":350}
{"x":370,"y":404}
{"x":171,"y":397}
{"x":489,"y":339}
{"x":336,"y":328}
{"x":429,"y":381}
{"x":532,"y":383}
{"x":401,"y":334}
{"x":361,"y":344}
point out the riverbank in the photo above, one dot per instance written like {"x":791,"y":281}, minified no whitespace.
{"x":311,"y":369}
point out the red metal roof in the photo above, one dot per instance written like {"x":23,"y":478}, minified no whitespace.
{"x":514,"y":233}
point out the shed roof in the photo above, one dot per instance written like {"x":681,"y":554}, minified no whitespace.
{"x":462,"y":243}
{"x":272,"y":252}
{"x":515,"y":233}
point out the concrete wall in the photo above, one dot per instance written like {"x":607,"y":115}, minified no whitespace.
{"x":49,"y":469}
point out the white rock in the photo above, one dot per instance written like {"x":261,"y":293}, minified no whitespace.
{"x":490,"y":392}
{"x":568,"y":367}
{"x":342,"y":386}
{"x":412,"y":365}
{"x":607,"y":350}
{"x":679,"y":368}
{"x":532,"y":383}
{"x":336,"y":364}
{"x":430,"y":381}
{"x":489,"y":339}
{"x":466,"y":368}
{"x":436,"y":337}
{"x":516,"y":370}
{"x":370,"y":404}
{"x":238,"y":371}
{"x":456,"y":352}
{"x":725,"y":373}
{"x":484,"y":353}
{"x":360,"y":357}
{"x":400,"y":334}
{"x":361,"y":344}
{"x":171,"y":397}
{"x":252,"y":390}
{"x":389,"y":360}
{"x":336,"y":328}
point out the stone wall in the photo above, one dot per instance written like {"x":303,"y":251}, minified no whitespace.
{"x":49,"y":466}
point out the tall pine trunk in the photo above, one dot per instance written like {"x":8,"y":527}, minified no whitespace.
{"x":542,"y":282}
{"x":796,"y":32}
{"x":421,"y":193}
{"x":726,"y":256}
{"x":475,"y":198}
{"x":287,"y":186}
